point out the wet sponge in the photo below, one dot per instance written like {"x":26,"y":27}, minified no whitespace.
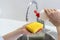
{"x":34,"y":27}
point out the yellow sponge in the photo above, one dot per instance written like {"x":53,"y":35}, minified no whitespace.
{"x":34,"y":27}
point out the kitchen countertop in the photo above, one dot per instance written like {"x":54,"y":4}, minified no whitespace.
{"x":8,"y":25}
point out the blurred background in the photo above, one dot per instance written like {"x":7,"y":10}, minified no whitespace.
{"x":16,"y":9}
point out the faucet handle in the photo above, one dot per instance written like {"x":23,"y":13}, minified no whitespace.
{"x":37,"y":13}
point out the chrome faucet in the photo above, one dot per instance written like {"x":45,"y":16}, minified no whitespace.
{"x":32,"y":2}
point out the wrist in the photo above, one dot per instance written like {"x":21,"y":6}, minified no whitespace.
{"x":58,"y":30}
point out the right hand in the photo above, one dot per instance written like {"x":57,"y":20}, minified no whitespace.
{"x":54,"y":16}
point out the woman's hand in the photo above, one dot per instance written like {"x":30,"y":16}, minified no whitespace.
{"x":25,"y":31}
{"x":53,"y":15}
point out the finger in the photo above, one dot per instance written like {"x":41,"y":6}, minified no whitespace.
{"x":50,"y":10}
{"x":24,"y":26}
{"x":47,"y":11}
{"x":53,"y":10}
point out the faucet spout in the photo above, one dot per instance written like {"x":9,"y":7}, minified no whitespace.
{"x":32,"y":2}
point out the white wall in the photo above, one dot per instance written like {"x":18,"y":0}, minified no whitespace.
{"x":16,"y":9}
